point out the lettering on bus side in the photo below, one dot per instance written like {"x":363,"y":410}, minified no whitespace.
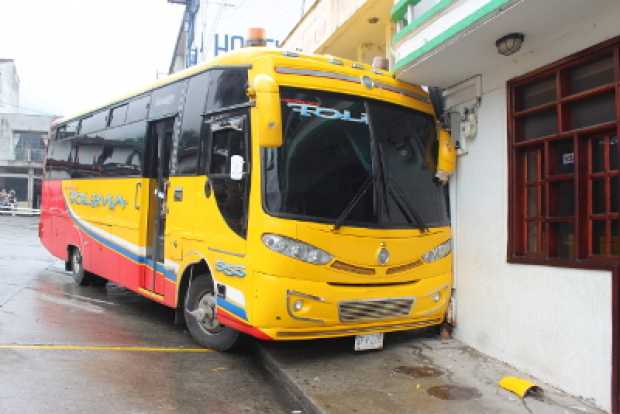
{"x":97,"y":200}
{"x":230,"y":269}
{"x":308,"y":110}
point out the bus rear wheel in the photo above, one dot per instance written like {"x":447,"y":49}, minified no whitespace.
{"x":80,"y":277}
{"x":200,"y":316}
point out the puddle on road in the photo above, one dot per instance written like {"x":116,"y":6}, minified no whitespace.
{"x":454,"y":392}
{"x":419,"y":371}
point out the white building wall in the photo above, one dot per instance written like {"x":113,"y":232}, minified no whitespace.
{"x":554,"y":323}
{"x":9,"y":87}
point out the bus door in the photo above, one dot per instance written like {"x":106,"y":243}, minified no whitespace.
{"x":160,"y":144}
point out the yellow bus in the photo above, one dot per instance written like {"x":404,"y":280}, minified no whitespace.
{"x":282,"y":195}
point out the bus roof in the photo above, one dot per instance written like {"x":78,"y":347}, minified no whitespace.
{"x":247,"y":56}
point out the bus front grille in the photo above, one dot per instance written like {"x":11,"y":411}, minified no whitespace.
{"x":376,"y":309}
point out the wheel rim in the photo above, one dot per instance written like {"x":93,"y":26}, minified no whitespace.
{"x":205,"y":314}
{"x":76,"y":263}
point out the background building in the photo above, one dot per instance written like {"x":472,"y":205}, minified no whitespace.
{"x":23,"y":138}
{"x":212,"y":27}
{"x":535,"y":210}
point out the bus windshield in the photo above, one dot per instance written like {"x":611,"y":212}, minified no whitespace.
{"x":355,"y":161}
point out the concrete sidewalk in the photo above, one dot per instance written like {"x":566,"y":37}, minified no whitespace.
{"x":415,"y":373}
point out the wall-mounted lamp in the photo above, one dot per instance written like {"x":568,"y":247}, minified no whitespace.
{"x":509,"y":44}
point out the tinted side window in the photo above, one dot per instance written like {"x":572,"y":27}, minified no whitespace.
{"x":58,"y":159}
{"x":138,"y":109}
{"x":188,"y":150}
{"x":122,"y":153}
{"x":227,"y":87}
{"x":118,"y":115}
{"x":166,"y":100}
{"x":94,"y":122}
{"x":67,"y":130}
{"x":86,"y":150}
{"x":228,"y":138}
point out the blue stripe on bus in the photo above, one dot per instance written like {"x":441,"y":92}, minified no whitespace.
{"x":238,"y":311}
{"x":131,"y":255}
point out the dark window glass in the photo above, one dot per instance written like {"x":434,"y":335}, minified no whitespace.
{"x":598,"y":196}
{"x":165,"y":101}
{"x":615,"y":237}
{"x":138,"y":108}
{"x":562,"y":157}
{"x":613,"y":194}
{"x":68,"y":130}
{"x":537,"y":125}
{"x":598,"y":154}
{"x":532,"y":237}
{"x":535,"y":94}
{"x":590,"y":75}
{"x":123,"y":151}
{"x":613,"y":153}
{"x":86,"y":150}
{"x":227,"y":87}
{"x":598,"y":237}
{"x":118,"y":115}
{"x":188,"y":150}
{"x":532,"y":166}
{"x":562,"y":199}
{"x":595,"y":110}
{"x":228,"y":138}
{"x":58,"y":162}
{"x":532,"y":202}
{"x":326,"y":161}
{"x":94,"y":122}
{"x":563,"y":240}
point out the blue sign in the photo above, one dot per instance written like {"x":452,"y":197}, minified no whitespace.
{"x":226,"y":43}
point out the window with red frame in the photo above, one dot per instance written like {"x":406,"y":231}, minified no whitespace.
{"x":565,"y":160}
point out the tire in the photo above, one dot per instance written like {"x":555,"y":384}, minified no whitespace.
{"x":80,"y":276}
{"x":199,"y":314}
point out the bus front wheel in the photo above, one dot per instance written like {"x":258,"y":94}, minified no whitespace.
{"x":200,"y":316}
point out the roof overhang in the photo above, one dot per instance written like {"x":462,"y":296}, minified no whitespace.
{"x":472,"y":50}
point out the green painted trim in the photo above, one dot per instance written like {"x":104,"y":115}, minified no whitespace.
{"x":400,"y":9}
{"x":437,"y":8}
{"x":450,"y":32}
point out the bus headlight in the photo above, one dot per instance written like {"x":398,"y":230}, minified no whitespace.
{"x":438,"y":252}
{"x":296,"y":249}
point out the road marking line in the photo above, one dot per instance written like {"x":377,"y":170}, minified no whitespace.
{"x":102,"y":348}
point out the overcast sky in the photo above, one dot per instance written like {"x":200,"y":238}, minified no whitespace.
{"x":74,"y":54}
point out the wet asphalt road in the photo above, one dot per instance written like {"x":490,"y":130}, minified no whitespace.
{"x":71,"y":369}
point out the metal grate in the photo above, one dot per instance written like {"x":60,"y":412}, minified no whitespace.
{"x":376,"y":309}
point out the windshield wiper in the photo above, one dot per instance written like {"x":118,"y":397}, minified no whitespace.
{"x":392,"y":188}
{"x":356,"y":199}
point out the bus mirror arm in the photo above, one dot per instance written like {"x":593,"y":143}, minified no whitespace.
{"x":268,"y":110}
{"x":446,"y":156}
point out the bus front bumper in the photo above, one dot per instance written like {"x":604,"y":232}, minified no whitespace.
{"x":294,"y":309}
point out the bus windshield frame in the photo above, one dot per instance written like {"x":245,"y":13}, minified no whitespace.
{"x":355,"y":161}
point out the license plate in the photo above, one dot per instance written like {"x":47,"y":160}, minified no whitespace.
{"x":368,"y":342}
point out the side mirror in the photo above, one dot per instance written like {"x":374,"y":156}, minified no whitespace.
{"x":236,"y":167}
{"x":446,"y":156}
{"x":268,"y":111}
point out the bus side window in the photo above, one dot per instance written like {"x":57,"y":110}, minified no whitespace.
{"x":228,"y":138}
{"x":188,"y":149}
{"x":138,"y":109}
{"x":58,"y":159}
{"x":165,"y":100}
{"x":123,"y":151}
{"x":229,"y":88}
